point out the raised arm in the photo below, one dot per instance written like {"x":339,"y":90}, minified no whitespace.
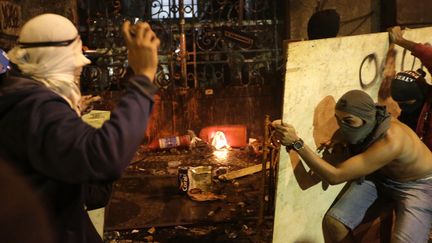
{"x":419,"y":50}
{"x":66,"y":148}
{"x":396,"y":36}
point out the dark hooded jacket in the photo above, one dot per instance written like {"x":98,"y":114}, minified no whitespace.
{"x":59,"y":154}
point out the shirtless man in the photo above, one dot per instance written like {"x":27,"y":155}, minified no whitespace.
{"x":396,"y":165}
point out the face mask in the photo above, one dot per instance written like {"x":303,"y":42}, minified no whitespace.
{"x":77,"y":75}
{"x":409,"y":85}
{"x":411,"y":108}
{"x":356,"y":135}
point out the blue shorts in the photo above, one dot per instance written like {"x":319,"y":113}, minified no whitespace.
{"x":412,"y":201}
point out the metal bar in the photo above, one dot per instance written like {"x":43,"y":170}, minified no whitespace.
{"x":241,"y":12}
{"x":195,"y":62}
{"x":183,"y":51}
{"x":275,"y":29}
{"x":257,"y":22}
{"x":264,"y":170}
{"x":273,"y":178}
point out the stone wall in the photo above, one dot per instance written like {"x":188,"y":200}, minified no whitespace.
{"x":13,"y":14}
{"x":357,"y":17}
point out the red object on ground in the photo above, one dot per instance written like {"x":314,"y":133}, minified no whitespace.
{"x":236,"y":135}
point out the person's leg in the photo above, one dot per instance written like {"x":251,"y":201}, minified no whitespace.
{"x":335,"y":231}
{"x":413,"y":212}
{"x":349,"y":211}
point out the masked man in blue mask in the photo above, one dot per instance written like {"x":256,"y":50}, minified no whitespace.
{"x":395,"y":165}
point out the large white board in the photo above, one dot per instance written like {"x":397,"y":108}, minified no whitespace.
{"x":315,"y":70}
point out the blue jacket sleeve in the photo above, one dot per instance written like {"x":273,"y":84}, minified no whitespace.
{"x":64,"y":147}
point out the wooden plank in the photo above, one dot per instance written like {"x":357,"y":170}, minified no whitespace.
{"x":243,"y":172}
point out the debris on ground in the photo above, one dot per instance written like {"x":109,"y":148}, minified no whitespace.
{"x":243,"y":172}
{"x":197,"y":194}
{"x":151,"y":230}
{"x":238,"y":210}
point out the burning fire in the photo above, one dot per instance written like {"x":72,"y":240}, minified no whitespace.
{"x":220,"y":142}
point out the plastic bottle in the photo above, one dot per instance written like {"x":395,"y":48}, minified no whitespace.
{"x":171,"y":142}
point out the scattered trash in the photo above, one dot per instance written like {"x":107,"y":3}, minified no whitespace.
{"x":183,"y":179}
{"x":200,"y":177}
{"x":159,"y":172}
{"x":220,"y":171}
{"x":247,"y":230}
{"x":197,"y":194}
{"x":200,"y":231}
{"x":149,"y":238}
{"x":239,"y":203}
{"x":179,"y":227}
{"x":243,"y":172}
{"x":213,"y":212}
{"x":232,"y":235}
{"x":151,"y":230}
{"x":170,"y":142}
{"x":195,"y":140}
{"x":174,"y":164}
{"x":254,"y":147}
{"x":111,"y":235}
{"x":174,"y":151}
{"x":122,"y":241}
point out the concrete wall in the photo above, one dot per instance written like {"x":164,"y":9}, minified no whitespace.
{"x":301,"y":10}
{"x":14,"y":13}
{"x":318,"y":73}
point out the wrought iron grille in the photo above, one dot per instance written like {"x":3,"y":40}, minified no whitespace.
{"x":205,"y":44}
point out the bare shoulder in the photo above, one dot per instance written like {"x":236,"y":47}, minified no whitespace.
{"x":386,"y":149}
{"x":392,"y":141}
{"x":396,"y":129}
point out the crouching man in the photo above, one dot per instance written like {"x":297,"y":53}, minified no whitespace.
{"x":390,"y":163}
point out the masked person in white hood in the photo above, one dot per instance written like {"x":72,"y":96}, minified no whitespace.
{"x":43,"y":136}
{"x":389,"y":164}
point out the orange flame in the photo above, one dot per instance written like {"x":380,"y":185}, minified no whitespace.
{"x":219,"y":141}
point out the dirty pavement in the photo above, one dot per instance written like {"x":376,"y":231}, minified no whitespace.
{"x":147,"y":205}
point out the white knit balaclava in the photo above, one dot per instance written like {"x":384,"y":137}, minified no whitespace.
{"x":40,"y":56}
